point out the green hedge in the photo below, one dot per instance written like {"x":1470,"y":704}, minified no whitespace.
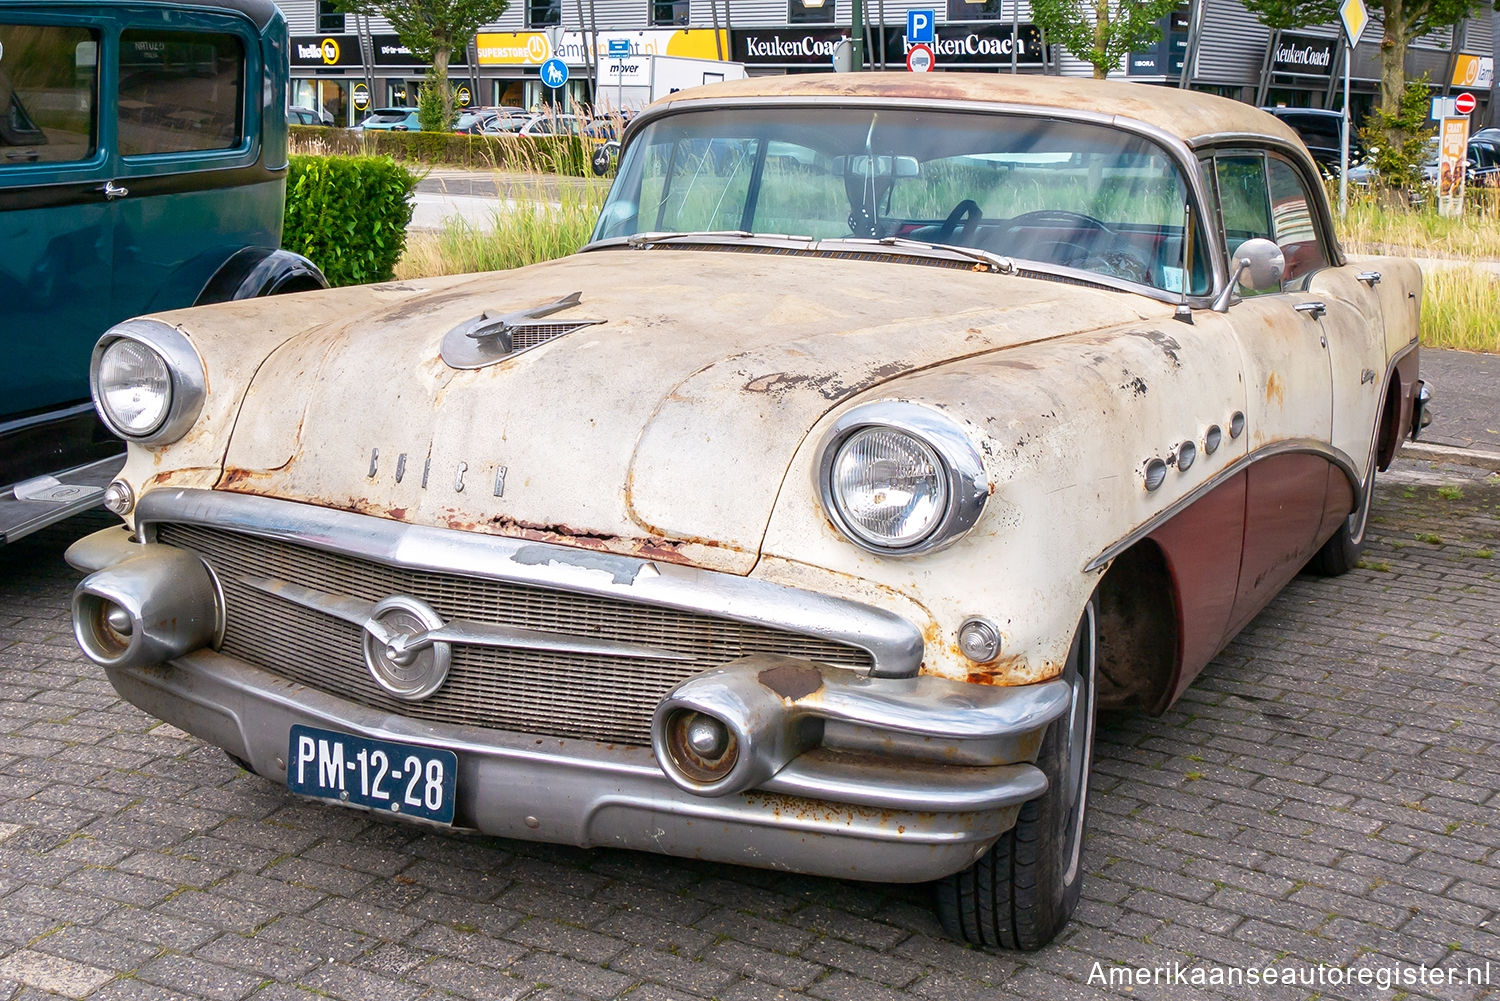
{"x":348,"y":215}
{"x":545,"y":154}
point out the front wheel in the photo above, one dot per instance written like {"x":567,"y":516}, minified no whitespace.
{"x":1341,"y":553}
{"x":1021,"y":892}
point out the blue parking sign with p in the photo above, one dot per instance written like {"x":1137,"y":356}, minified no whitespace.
{"x":554,"y":73}
{"x":919,"y":25}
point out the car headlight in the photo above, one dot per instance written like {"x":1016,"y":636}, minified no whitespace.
{"x":898,"y":478}
{"x":147,"y":381}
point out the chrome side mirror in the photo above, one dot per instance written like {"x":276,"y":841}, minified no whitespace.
{"x":1258,"y":268}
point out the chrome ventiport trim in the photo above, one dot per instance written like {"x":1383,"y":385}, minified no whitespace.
{"x":894,"y":644}
{"x":1306,"y":446}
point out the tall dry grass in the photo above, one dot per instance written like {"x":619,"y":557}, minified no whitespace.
{"x":1382,"y":224}
{"x":1461,"y":309}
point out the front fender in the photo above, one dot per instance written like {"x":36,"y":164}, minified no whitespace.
{"x":252,"y":272}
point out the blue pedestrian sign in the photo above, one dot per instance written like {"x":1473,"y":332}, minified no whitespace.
{"x":919,"y":25}
{"x":619,"y":48}
{"x":554,"y":73}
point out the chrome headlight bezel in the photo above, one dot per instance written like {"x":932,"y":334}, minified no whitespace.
{"x":188,"y":383}
{"x":960,"y":466}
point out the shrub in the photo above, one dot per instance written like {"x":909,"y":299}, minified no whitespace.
{"x":541,"y":154}
{"x":1397,"y":143}
{"x":348,"y":215}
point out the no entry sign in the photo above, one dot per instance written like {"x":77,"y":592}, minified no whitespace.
{"x":1464,"y":104}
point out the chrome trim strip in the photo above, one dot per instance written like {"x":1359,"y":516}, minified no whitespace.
{"x":1311,"y":446}
{"x":961,"y":790}
{"x":1177,"y":148}
{"x":1333,"y":455}
{"x":894,"y":643}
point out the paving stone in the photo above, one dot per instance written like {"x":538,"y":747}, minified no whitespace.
{"x":53,"y":974}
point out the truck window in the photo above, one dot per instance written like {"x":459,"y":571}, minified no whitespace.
{"x":180,"y":91}
{"x":48,"y":77}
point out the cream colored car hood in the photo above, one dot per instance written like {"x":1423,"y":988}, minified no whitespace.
{"x":664,"y":431}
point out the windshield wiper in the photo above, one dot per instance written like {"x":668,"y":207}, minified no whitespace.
{"x":994,"y":262}
{"x":639,"y":240}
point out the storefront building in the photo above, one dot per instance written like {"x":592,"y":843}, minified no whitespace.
{"x":347,"y":64}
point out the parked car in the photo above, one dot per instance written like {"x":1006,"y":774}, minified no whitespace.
{"x":474,"y":120}
{"x":142,"y":167}
{"x":536,"y":124}
{"x":307,"y":116}
{"x":812,"y":552}
{"x":390,"y":120}
{"x":1322,"y":132}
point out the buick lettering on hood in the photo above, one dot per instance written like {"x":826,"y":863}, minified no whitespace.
{"x":888,"y":428}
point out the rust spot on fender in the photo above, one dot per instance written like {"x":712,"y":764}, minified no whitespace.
{"x":1275,"y":390}
{"x":791,"y":681}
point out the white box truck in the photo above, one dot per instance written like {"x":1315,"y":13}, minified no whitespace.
{"x":633,"y":82}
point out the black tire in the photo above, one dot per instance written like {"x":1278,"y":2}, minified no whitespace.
{"x":1341,"y":553}
{"x":1021,"y":892}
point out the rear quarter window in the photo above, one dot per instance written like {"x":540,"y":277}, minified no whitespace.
{"x":180,"y":91}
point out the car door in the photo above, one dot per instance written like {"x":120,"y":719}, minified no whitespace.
{"x":189,"y":138}
{"x":1288,"y":394}
{"x":56,"y":220}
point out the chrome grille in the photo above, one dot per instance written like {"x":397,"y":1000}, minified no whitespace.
{"x":524,"y":336}
{"x":555,"y":694}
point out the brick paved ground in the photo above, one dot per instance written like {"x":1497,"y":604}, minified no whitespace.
{"x":1327,"y":792}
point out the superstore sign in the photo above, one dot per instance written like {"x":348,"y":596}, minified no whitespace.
{"x":954,"y":45}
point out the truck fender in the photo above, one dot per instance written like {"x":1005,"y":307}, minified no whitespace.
{"x":258,"y":271}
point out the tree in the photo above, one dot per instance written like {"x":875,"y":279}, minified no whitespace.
{"x":433,"y":30}
{"x":1101,"y":32}
{"x":1405,"y":21}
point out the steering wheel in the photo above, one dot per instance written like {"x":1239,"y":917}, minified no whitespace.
{"x":1058,"y":217}
{"x":1067,"y":250}
{"x":967,"y":212}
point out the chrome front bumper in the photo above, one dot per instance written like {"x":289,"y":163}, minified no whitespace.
{"x":843,"y":774}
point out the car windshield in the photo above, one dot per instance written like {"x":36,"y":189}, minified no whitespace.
{"x":1033,"y":188}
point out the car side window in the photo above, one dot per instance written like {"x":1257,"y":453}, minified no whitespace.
{"x":1243,"y":204}
{"x":1292,"y":218}
{"x":49,"y":76}
{"x":180,"y":91}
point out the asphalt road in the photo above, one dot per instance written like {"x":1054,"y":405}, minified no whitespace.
{"x":1326,"y":793}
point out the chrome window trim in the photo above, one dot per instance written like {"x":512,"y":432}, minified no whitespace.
{"x":1181,"y":152}
{"x":894,"y":643}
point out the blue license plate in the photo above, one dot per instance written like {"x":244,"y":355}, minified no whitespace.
{"x":407,"y":780}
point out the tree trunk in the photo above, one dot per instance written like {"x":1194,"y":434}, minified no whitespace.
{"x":440,"y":74}
{"x":1393,"y":57}
{"x":1101,"y":38}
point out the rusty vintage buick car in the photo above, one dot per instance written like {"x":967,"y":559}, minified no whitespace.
{"x":888,"y":427}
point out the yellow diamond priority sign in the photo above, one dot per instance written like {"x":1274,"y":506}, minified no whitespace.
{"x":1355,"y":18}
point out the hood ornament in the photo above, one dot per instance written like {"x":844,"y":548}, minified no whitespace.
{"x":488,"y":338}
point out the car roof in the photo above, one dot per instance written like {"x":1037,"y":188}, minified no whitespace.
{"x":260,"y":11}
{"x":1185,"y":114}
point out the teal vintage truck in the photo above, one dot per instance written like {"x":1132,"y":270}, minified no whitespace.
{"x":143,"y":162}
